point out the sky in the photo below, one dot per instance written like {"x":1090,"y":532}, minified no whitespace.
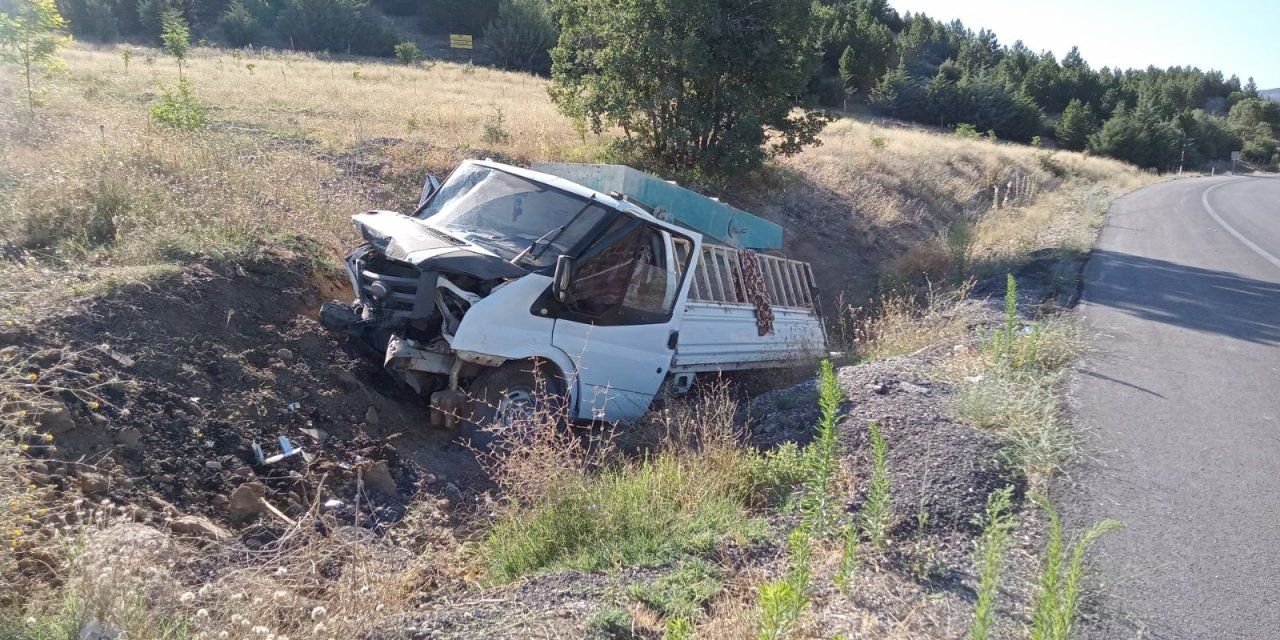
{"x":1240,"y":37}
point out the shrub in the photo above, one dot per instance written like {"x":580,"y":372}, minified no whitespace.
{"x":178,"y":108}
{"x":782,"y":601}
{"x":966,"y":131}
{"x":822,"y":464}
{"x":176,"y":36}
{"x":239,"y":25}
{"x":30,"y":37}
{"x":522,"y":35}
{"x":407,"y":53}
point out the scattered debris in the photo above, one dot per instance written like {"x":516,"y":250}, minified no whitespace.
{"x":287,"y":450}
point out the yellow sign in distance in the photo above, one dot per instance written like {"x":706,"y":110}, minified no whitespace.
{"x":460,"y":41}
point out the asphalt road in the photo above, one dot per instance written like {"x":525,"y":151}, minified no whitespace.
{"x":1180,"y":402}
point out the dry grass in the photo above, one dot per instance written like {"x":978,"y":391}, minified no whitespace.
{"x":901,"y":324}
{"x":890,"y":194}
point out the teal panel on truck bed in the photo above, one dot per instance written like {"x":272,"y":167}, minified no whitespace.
{"x":718,"y":221}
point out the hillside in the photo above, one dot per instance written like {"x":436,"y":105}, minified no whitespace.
{"x":1270,"y":94}
{"x":160,"y":289}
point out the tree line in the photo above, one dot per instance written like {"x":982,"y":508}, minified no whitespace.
{"x":917,"y":68}
{"x":713,"y":83}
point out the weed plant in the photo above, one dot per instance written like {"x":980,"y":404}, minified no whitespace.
{"x":822,"y":460}
{"x":877,"y":514}
{"x":992,"y":546}
{"x":1057,"y":603}
{"x":782,"y":602}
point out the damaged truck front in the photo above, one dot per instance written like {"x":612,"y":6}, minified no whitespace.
{"x":509,"y":286}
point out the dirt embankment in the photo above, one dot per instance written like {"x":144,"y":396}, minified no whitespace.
{"x":168,"y":387}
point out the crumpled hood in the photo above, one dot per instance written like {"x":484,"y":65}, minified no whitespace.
{"x":402,"y":238}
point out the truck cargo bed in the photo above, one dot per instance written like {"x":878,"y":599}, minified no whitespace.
{"x":723,"y":325}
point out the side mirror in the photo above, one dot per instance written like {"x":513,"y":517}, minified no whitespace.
{"x":563,"y":278}
{"x":429,"y":187}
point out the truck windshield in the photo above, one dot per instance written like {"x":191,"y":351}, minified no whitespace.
{"x":506,"y":214}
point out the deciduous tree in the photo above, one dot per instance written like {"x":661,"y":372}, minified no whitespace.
{"x":705,"y":84}
{"x":30,"y":38}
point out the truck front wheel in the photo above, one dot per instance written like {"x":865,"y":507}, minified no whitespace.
{"x":518,"y":397}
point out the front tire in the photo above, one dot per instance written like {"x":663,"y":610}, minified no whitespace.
{"x":517,"y":398}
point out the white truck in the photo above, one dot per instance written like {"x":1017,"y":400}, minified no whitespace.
{"x":508,"y":286}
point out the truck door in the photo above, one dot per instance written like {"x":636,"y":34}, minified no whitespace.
{"x":620,"y":320}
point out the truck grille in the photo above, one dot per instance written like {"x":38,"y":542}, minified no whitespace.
{"x":399,"y":284}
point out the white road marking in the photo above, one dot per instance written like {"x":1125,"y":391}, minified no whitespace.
{"x":1204,"y":199}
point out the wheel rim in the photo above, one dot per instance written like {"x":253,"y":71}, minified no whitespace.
{"x":515,"y":409}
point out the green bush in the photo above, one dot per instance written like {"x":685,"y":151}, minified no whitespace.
{"x":522,"y":35}
{"x":996,"y":529}
{"x":407,"y":53}
{"x":178,"y":108}
{"x":1057,"y":604}
{"x":966,"y":131}
{"x":877,"y":512}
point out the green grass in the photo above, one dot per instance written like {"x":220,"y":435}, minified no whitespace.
{"x":645,"y":514}
{"x":612,"y":622}
{"x":683,"y":593}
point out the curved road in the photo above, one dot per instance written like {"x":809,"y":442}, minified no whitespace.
{"x":1180,"y":401}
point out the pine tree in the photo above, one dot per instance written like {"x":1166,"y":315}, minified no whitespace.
{"x":1076,"y":125}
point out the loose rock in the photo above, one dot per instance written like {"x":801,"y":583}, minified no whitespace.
{"x":245,"y":502}
{"x":377,"y":476}
{"x":129,"y":437}
{"x":92,"y":483}
{"x":57,"y":421}
{"x":199,"y":527}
